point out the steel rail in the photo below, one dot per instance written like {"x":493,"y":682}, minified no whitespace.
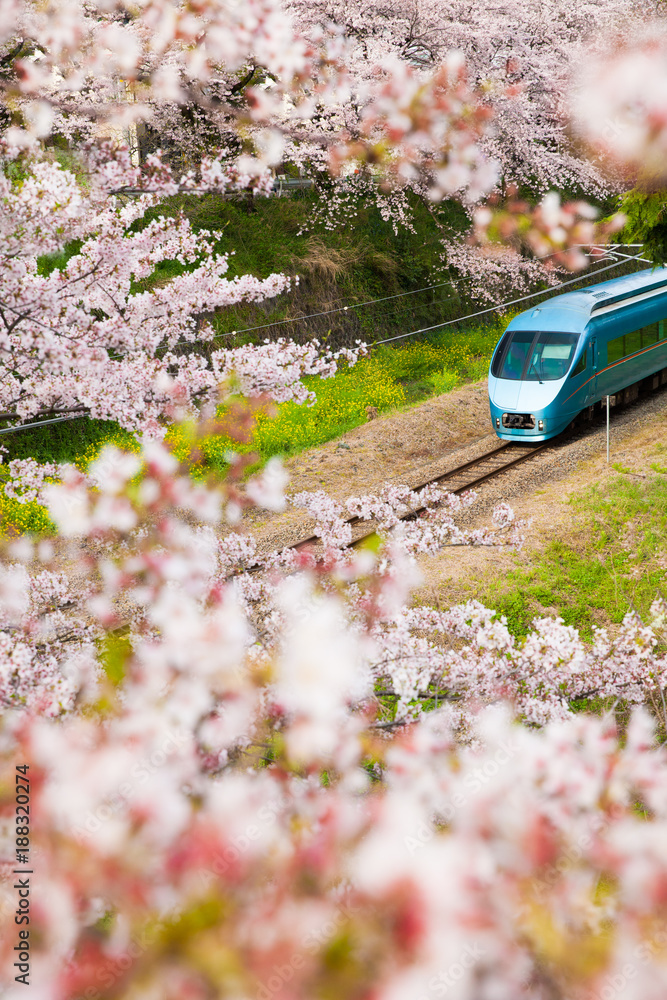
{"x":459,"y":470}
{"x":471,"y":484}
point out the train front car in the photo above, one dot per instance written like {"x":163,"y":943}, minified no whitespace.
{"x":564,"y":356}
{"x":530,"y":370}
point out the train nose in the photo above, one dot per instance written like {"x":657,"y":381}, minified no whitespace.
{"x":505,"y":394}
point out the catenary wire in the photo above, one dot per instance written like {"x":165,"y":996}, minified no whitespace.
{"x":500,"y":305}
{"x":413,"y":333}
{"x":41,"y":423}
{"x":370,"y":302}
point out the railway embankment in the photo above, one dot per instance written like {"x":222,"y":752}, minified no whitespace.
{"x":597,"y":545}
{"x":406,"y":446}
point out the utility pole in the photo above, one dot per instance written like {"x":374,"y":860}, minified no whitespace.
{"x":607,"y":429}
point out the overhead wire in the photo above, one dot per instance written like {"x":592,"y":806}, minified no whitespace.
{"x":370,"y":302}
{"x":495,"y":308}
{"x":402,"y":336}
{"x":327,"y":312}
{"x":41,"y":423}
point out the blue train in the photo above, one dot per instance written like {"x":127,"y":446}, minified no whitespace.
{"x":558,"y":360}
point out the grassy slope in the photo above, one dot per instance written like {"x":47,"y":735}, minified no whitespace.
{"x":614,"y":564}
{"x":360,"y":261}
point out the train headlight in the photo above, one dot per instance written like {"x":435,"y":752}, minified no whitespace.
{"x":540,"y":425}
{"x":497,"y":421}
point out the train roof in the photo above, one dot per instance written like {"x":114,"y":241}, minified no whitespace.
{"x":580,"y":306}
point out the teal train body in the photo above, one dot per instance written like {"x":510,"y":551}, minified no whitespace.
{"x":563,"y":357}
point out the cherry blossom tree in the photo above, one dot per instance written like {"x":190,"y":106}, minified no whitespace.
{"x":520,"y":55}
{"x":412,"y":83}
{"x":83,"y":338}
{"x":622,"y":119}
{"x":519,"y":60}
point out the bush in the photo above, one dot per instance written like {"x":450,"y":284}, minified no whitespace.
{"x":444,"y":381}
{"x":77,"y":441}
{"x":18,"y":518}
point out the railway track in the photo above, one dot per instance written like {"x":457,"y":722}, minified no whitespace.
{"x":458,"y":480}
{"x":502,"y":457}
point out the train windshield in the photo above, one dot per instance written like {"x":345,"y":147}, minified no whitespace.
{"x":534,"y":357}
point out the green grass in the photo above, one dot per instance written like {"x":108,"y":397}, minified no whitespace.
{"x":613,"y":568}
{"x":363,"y":260}
{"x":447,"y":359}
{"x":76,"y":441}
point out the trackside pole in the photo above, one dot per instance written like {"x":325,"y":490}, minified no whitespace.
{"x":607,"y":428}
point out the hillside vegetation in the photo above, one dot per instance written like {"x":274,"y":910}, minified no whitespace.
{"x":361,"y":260}
{"x":613,"y":565}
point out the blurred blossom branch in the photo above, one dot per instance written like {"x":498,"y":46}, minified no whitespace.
{"x":204,"y":741}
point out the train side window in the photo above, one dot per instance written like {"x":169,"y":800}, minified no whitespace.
{"x":650,"y":335}
{"x":580,"y":366}
{"x":661,"y":330}
{"x":633,"y":342}
{"x":615,"y":350}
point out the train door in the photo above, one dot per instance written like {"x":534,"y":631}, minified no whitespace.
{"x":593,"y":384}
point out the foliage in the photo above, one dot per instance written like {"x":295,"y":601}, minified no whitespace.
{"x":18,"y":518}
{"x":76,"y":441}
{"x":341,"y":404}
{"x":646,"y":222}
{"x":360,"y":262}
